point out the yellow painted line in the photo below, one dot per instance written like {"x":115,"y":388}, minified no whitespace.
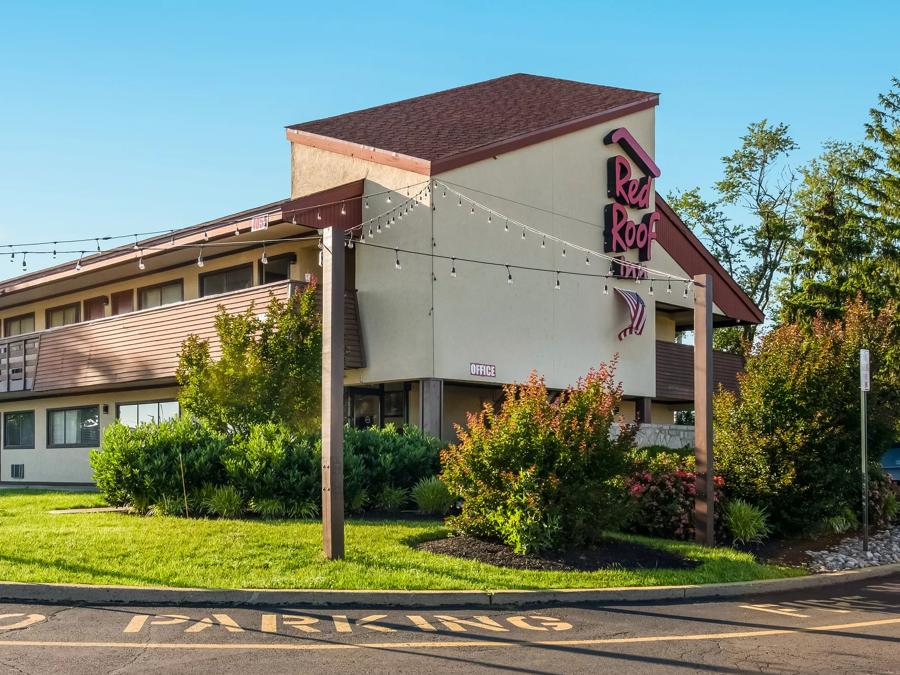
{"x":447,"y":644}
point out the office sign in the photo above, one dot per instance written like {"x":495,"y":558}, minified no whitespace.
{"x":482,"y":370}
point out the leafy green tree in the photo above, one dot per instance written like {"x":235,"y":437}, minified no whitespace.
{"x":833,"y":261}
{"x":790,"y":443}
{"x":757,"y":180}
{"x":269,"y":369}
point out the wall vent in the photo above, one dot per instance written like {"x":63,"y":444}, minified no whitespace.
{"x":17,"y":470}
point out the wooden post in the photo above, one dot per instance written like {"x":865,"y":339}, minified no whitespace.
{"x":704,"y":501}
{"x":333,"y":393}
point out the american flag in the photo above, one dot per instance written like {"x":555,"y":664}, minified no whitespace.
{"x":638,"y":313}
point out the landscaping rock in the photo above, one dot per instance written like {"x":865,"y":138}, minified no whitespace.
{"x":884,"y":549}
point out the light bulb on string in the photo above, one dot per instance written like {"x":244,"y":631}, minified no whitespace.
{"x":367,"y":202}
{"x":318,"y":214}
{"x":650,"y":292}
{"x":388,"y":200}
{"x":506,"y":226}
{"x":98,"y":245}
{"x":472,"y":210}
{"x":264,"y":259}
{"x":564,"y":252}
{"x":343,"y":209}
{"x":24,"y":265}
{"x":557,"y":280}
{"x":200,"y":258}
{"x":54,"y":250}
{"x":141,"y":265}
{"x":685,"y":289}
{"x":669,"y":286}
{"x":12,"y":257}
{"x":350,"y":242}
{"x":523,"y":233}
{"x":460,"y":202}
{"x":543,"y":242}
{"x":378,"y":227}
{"x":397,"y":259}
{"x":453,"y":267}
{"x":205,"y":237}
{"x":134,"y":247}
{"x":237,"y":228}
{"x":490,"y":219}
{"x":605,"y":288}
{"x":78,"y":264}
{"x":587,"y":260}
{"x":509,"y":278}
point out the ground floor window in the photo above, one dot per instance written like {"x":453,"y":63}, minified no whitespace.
{"x":74,"y":427}
{"x":18,"y":429}
{"x":148,"y":412}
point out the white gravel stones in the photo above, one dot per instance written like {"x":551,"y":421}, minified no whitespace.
{"x":884,"y":548}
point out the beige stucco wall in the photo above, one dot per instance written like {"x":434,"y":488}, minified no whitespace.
{"x":419,"y":322}
{"x":307,"y":261}
{"x":66,"y":465}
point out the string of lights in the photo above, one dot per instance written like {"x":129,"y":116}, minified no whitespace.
{"x":509,"y":267}
{"x":544,"y":237}
{"x":23,"y":247}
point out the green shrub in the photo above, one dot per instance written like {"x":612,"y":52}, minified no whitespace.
{"x":839,"y":523}
{"x":168,"y":505}
{"x":273,"y":463}
{"x":225,"y":502}
{"x":432,"y":496}
{"x":199,"y":498}
{"x":392,"y":498}
{"x":747,"y":523}
{"x":268,"y":508}
{"x":786,"y":445}
{"x":542,"y":472}
{"x":140,"y":466}
{"x":662,"y":495}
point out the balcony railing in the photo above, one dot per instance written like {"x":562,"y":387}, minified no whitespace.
{"x":139,"y":348}
{"x":675,"y":371}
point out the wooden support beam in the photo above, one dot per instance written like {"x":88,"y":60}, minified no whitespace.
{"x":333,"y":255}
{"x":704,"y":501}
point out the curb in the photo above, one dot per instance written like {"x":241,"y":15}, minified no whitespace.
{"x":144,"y":595}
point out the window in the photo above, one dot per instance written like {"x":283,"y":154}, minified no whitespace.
{"x":277,"y":269}
{"x":74,"y":427}
{"x":132,"y":414}
{"x":63,"y":316}
{"x":95,"y":308}
{"x":162,"y":294}
{"x":18,"y":429}
{"x":225,"y":281}
{"x":18,"y":325}
{"x":122,"y":302}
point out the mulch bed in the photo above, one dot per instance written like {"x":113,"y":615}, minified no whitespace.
{"x":608,"y":554}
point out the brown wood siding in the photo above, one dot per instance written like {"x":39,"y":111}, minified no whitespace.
{"x":675,"y":371}
{"x":144,"y":346}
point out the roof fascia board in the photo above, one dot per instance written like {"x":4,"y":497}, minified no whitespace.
{"x":367,"y":153}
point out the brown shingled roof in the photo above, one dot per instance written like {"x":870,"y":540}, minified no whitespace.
{"x":458,"y":126}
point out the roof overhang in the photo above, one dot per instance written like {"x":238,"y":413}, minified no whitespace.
{"x":471,"y":155}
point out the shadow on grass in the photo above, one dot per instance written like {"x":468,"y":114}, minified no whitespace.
{"x":75,"y":568}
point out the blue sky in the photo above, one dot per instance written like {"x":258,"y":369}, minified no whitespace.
{"x":118,"y":117}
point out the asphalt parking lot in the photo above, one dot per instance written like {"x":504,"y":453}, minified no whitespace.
{"x":853,"y":628}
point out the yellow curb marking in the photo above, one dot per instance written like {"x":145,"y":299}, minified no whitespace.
{"x":448,"y":644}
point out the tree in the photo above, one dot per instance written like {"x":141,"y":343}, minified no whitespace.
{"x":834,"y":260}
{"x":756,"y":179}
{"x":878,"y":181}
{"x":790,"y":443}
{"x":269,"y":369}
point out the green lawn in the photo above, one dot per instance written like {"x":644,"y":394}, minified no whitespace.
{"x":115,"y":548}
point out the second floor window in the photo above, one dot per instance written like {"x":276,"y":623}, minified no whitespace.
{"x":18,"y":325}
{"x":63,"y":316}
{"x":225,"y":281}
{"x":163,"y":294}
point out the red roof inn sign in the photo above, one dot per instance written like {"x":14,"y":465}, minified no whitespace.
{"x":621,"y":233}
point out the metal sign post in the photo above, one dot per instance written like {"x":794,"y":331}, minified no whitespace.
{"x":864,"y":384}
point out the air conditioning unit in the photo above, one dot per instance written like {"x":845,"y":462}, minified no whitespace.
{"x":17,"y":470}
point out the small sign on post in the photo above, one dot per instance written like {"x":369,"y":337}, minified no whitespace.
{"x":864,"y":386}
